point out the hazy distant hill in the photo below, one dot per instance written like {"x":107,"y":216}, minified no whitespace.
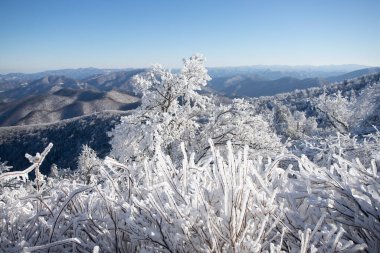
{"x":255,"y":85}
{"x":79,"y":73}
{"x":19,"y":88}
{"x":53,"y":98}
{"x":121,"y":80}
{"x":247,"y":86}
{"x":63,"y":104}
{"x":47,"y":84}
{"x":273,"y":72}
{"x":353,"y":74}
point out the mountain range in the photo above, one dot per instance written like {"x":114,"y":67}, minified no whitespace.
{"x":258,"y":84}
{"x":63,"y":104}
{"x":277,"y":71}
{"x":62,"y":94}
{"x":79,"y":73}
{"x":53,"y":98}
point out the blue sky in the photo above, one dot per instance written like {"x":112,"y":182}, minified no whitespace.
{"x":52,"y":34}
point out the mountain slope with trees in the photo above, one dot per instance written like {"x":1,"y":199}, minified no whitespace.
{"x":69,"y":136}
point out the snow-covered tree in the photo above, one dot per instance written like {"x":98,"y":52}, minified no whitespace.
{"x":169,"y":111}
{"x":172,"y":111}
{"x":240,"y":124}
{"x":294,"y":125}
{"x":88,"y":164}
{"x":337,"y":111}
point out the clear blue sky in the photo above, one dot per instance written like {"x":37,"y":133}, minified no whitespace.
{"x":51,"y":34}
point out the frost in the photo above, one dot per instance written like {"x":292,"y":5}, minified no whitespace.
{"x":191,"y":175}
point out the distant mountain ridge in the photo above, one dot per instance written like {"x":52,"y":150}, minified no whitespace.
{"x":354,"y":74}
{"x":55,"y":97}
{"x":121,"y":80}
{"x":256,"y":85}
{"x":79,"y":73}
{"x":278,"y":71}
{"x":267,"y":71}
{"x":16,"y":89}
{"x":39,"y":86}
{"x":63,"y":104}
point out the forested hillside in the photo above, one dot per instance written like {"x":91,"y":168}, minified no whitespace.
{"x":69,"y":136}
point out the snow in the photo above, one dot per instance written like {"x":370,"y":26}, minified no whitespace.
{"x":189,"y":175}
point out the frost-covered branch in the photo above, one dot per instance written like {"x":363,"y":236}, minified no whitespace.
{"x":36,"y":160}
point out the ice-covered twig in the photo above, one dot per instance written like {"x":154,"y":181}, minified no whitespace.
{"x":24,"y":174}
{"x":53,"y":244}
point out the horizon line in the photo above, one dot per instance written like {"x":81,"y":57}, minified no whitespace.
{"x":207,"y":67}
